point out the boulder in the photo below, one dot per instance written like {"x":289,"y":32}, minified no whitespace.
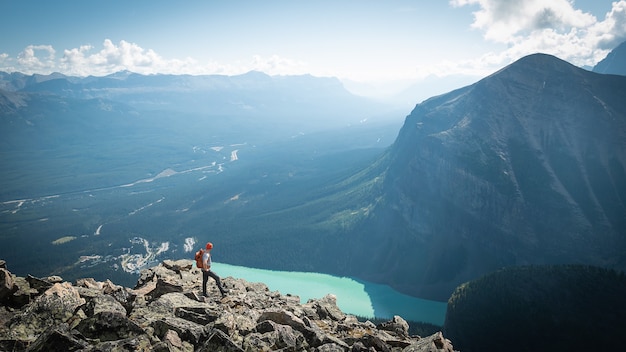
{"x":103,"y":303}
{"x":397,"y":326}
{"x":435,"y":342}
{"x":219,"y":341}
{"x":58,"y":338}
{"x":164,"y":313}
{"x":7,"y":285}
{"x":138,"y":343}
{"x":187,"y":330}
{"x":326,"y":307}
{"x":38,"y":284}
{"x":281,"y":337}
{"x":23,"y":295}
{"x":178,"y":265}
{"x":109,"y":326}
{"x":55,"y":306}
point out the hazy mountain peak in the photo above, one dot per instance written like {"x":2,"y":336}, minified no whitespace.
{"x":122,"y":75}
{"x":614,"y":62}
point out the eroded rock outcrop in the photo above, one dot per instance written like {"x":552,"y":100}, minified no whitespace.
{"x":165,"y":312}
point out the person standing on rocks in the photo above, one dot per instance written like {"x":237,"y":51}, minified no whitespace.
{"x":206,"y":271}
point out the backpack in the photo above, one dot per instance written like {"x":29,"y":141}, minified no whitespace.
{"x":199,"y":255}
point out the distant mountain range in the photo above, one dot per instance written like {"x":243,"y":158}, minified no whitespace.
{"x":289,"y":100}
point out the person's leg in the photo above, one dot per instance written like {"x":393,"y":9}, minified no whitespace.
{"x":205,"y":278}
{"x":217,"y":281}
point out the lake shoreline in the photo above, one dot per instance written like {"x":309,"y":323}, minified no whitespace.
{"x":354,"y":296}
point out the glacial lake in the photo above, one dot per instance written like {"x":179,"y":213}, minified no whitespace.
{"x":354,"y":297}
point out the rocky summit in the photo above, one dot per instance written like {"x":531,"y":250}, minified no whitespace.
{"x":165,"y":312}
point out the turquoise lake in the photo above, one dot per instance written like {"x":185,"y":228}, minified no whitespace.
{"x":355,"y":297}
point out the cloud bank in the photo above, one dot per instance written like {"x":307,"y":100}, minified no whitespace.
{"x":519,"y":27}
{"x":553,"y":27}
{"x":85,"y":61}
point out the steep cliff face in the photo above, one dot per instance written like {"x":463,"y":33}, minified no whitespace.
{"x":164,"y":313}
{"x":526,"y":166}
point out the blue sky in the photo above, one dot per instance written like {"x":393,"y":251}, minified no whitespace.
{"x":364,"y":40}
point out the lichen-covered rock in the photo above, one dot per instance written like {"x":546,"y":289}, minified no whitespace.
{"x":109,"y":326}
{"x":435,"y":342}
{"x":55,"y":306}
{"x":397,"y":325}
{"x":58,"y":338}
{"x":166,"y":313}
{"x":7,"y":285}
{"x":22,"y":295}
{"x":38,"y":284}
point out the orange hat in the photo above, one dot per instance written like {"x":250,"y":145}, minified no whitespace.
{"x":209,"y":245}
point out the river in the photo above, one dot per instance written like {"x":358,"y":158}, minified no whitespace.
{"x":355,"y":297}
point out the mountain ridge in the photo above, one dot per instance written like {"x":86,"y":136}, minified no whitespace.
{"x":613,"y":63}
{"x":165,"y":312}
{"x":526,"y":166}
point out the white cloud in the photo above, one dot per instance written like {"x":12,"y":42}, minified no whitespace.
{"x":612,"y":30}
{"x":31,"y":57}
{"x":117,"y":57}
{"x":504,"y":20}
{"x":276,"y":65}
{"x":85,"y":60}
{"x":553,"y":27}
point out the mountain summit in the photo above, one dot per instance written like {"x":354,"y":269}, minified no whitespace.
{"x":526,"y":166}
{"x":165,"y":313}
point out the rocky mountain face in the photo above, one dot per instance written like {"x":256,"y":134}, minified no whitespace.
{"x":527,"y":166}
{"x":165,"y":313}
{"x":614,"y":63}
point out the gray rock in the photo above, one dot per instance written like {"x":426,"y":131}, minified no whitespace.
{"x":218,"y":341}
{"x":53,"y":307}
{"x":331,"y":347}
{"x":109,"y":326}
{"x":199,"y":315}
{"x":281,"y":337}
{"x":397,"y":325}
{"x":137,"y":343}
{"x":54,"y":279}
{"x":58,"y":338}
{"x":326,"y":307}
{"x":7,"y":285}
{"x":187,"y":330}
{"x":103,"y":303}
{"x":178,"y":265}
{"x":38,"y":284}
{"x":435,"y":342}
{"x":164,"y":313}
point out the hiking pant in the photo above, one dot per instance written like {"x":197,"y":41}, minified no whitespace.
{"x":205,"y":278}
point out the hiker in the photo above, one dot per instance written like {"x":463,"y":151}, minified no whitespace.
{"x":206,"y":271}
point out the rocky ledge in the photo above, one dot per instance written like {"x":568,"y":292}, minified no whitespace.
{"x":164,"y":312}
